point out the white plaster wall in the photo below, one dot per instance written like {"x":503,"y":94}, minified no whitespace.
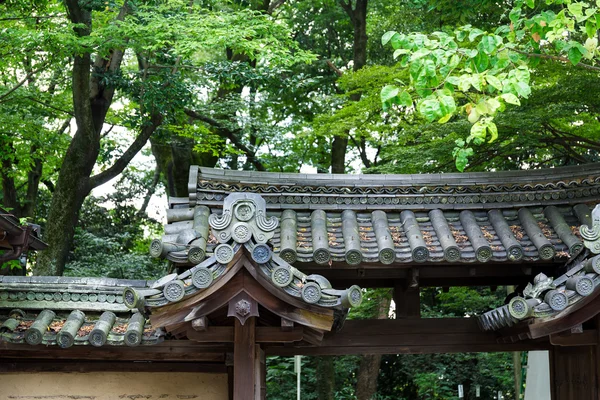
{"x":113,"y":386}
{"x":537,"y":382}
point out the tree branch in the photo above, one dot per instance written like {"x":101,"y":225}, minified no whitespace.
{"x":123,"y":161}
{"x":142,"y":211}
{"x":556,"y":58}
{"x":229,"y":134}
{"x":275,"y":5}
{"x":22,"y":82}
{"x":335,"y":69}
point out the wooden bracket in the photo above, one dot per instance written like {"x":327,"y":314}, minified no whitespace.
{"x":242,"y":307}
{"x":200,"y":324}
{"x":286,"y":325}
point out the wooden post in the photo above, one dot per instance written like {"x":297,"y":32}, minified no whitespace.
{"x":260,"y":382}
{"x":244,"y":360}
{"x":408,"y":301}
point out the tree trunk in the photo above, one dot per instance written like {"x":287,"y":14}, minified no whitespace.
{"x":325,"y":378}
{"x":91,"y":102}
{"x":358,"y":18}
{"x":368,"y":370}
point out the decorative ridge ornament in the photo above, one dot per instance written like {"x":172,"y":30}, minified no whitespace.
{"x":547,"y":296}
{"x":244,"y":216}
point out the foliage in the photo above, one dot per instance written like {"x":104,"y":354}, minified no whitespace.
{"x":480,"y":73}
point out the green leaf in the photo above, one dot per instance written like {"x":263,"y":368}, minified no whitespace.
{"x":482,"y":107}
{"x":400,"y":52}
{"x":590,"y":28}
{"x":576,"y":9}
{"x":481,"y":62}
{"x":530,"y":3}
{"x":389,"y":92}
{"x":514,"y":15}
{"x":404,"y":99}
{"x":474,"y":34}
{"x":422,"y":52}
{"x":387,"y":37}
{"x":493,"y":129}
{"x":478,"y":130}
{"x":487,"y":44}
{"x":511,"y":99}
{"x":493,"y":105}
{"x":494,"y":82}
{"x":445,"y":118}
{"x":574,"y":55}
{"x":523,"y":89}
{"x":455,"y":80}
{"x":430,"y":108}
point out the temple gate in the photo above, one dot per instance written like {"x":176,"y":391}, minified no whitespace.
{"x":270,"y":264}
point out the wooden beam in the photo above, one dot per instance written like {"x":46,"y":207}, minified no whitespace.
{"x":408,"y":335}
{"x":169,"y":350}
{"x":45,"y":365}
{"x":244,"y":357}
{"x":264,"y":334}
{"x":585,"y":338}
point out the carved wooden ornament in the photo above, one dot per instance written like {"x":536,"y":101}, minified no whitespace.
{"x":242,"y":307}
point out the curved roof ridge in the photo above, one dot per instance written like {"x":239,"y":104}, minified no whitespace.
{"x":402,"y":180}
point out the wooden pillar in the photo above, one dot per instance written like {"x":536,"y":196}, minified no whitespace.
{"x":574,"y":372}
{"x":244,"y":360}
{"x":407,"y":300}
{"x":260,"y":375}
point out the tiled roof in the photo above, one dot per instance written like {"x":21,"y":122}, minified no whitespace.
{"x":67,"y":311}
{"x":353,"y":219}
{"x":549,"y":298}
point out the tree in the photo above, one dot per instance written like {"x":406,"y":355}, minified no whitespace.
{"x":483,"y":73}
{"x":106,"y":43}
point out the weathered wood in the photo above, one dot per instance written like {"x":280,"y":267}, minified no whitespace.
{"x":35,"y":334}
{"x":514,"y":251}
{"x":242,"y":306}
{"x":383,"y":236}
{"x":171,"y":312}
{"x":562,"y":229}
{"x":244,"y":355}
{"x":320,"y":239}
{"x":172,"y":350}
{"x":260,"y":382}
{"x":200,"y":324}
{"x":442,"y":230}
{"x":483,"y":251}
{"x":135,"y":329}
{"x":264,"y":334}
{"x":545,"y":248}
{"x":19,"y":365}
{"x":417,"y":244}
{"x":286,"y":325}
{"x":407,"y":300}
{"x":66,"y":337}
{"x":407,"y":336}
{"x":586,"y":338}
{"x":289,"y":236}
